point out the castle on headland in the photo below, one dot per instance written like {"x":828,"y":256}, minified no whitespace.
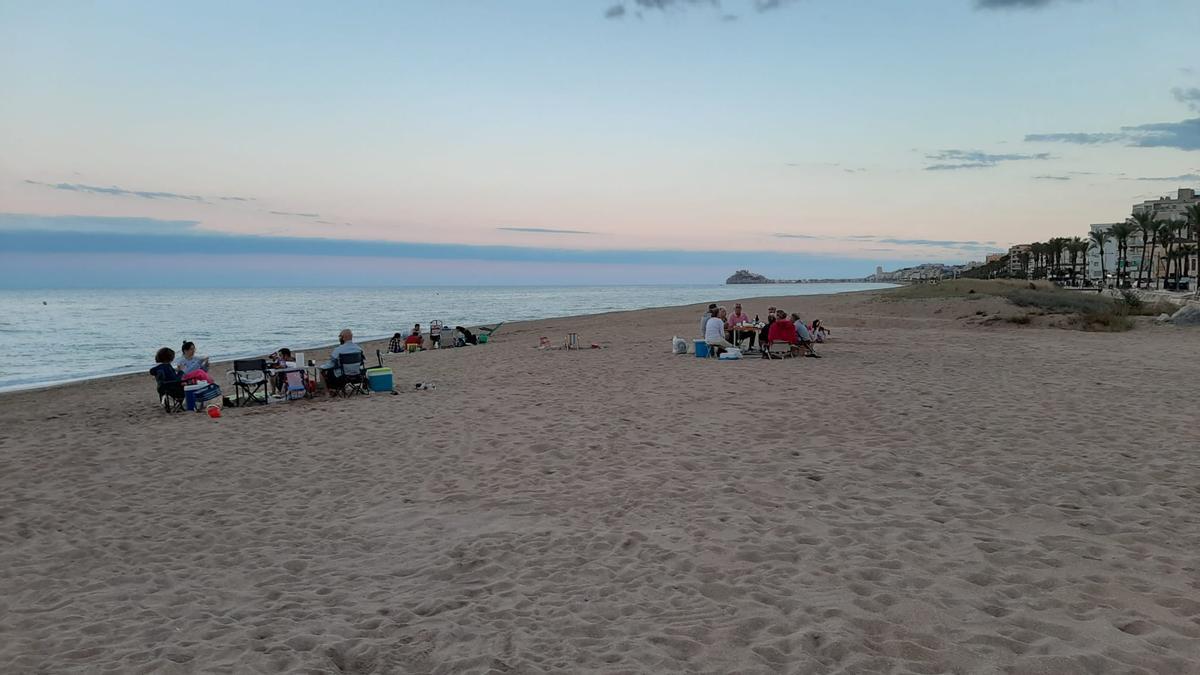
{"x":748,"y":277}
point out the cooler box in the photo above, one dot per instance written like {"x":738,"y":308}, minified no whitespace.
{"x":701,"y":349}
{"x":380,"y":379}
{"x":482,"y":338}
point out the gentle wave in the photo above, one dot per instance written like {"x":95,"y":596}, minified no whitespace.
{"x":91,"y":333}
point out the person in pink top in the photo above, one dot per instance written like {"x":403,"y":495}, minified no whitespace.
{"x":738,"y":318}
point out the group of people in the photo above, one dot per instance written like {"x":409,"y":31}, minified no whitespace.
{"x":722,"y":330}
{"x":415,"y":341}
{"x":191,"y":368}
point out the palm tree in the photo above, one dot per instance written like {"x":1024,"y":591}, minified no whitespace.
{"x":1038,"y":250}
{"x":1024,"y":256}
{"x":1097,"y":240}
{"x":1144,"y":224}
{"x":1166,"y":235}
{"x":1186,"y":252}
{"x":1120,"y":232}
{"x":1160,"y":235}
{"x":1079,"y":249}
{"x":1054,"y":256}
{"x":1192,"y":214}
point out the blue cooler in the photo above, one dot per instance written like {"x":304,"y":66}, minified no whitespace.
{"x":380,"y":379}
{"x":701,"y":348}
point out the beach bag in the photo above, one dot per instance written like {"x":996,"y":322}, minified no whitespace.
{"x":678,"y":345}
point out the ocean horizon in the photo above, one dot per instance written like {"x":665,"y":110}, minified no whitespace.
{"x":53,"y":336}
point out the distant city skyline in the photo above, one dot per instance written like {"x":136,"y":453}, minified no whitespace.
{"x":549,"y":142}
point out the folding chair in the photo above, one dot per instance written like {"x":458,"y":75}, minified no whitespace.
{"x":778,"y":349}
{"x":483,"y":333}
{"x":354,"y":374}
{"x":170,"y":389}
{"x":435,"y":334}
{"x":249,"y":376}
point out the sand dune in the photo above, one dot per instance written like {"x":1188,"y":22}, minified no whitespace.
{"x":932,"y":497}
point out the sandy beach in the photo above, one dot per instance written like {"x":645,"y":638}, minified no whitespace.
{"x":939,"y":494}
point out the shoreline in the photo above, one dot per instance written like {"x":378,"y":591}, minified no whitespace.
{"x":922,"y":498}
{"x":225,"y":359}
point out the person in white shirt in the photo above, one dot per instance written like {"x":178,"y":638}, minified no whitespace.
{"x":714,"y":331}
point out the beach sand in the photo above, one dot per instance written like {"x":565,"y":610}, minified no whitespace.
{"x":933,"y":496}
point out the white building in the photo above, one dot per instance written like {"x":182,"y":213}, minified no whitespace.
{"x":1175,"y":209}
{"x":1110,"y":254}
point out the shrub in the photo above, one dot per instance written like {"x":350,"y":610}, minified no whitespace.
{"x":1020,"y":319}
{"x":1060,"y":302}
{"x":1131,"y":299}
{"x":1114,"y":321}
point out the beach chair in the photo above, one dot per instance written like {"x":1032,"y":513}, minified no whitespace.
{"x":483,"y":333}
{"x":435,"y":334}
{"x":779,"y":350}
{"x":249,"y":377}
{"x":170,"y":389}
{"x":354,"y":374}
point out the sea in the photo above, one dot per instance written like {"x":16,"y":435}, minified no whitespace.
{"x":54,"y":336}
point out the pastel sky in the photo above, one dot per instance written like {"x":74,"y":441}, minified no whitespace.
{"x":573,"y":141}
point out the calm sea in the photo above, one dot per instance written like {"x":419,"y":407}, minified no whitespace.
{"x":53,"y":336}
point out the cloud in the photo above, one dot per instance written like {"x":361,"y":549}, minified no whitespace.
{"x":1181,"y":178}
{"x":298,"y":215}
{"x":1189,"y":97}
{"x":950,"y":160}
{"x":1183,"y":135}
{"x":96,"y":236}
{"x":1052,"y":178}
{"x":615,"y":12}
{"x":542,"y":230}
{"x":122,"y":192}
{"x":968,"y":245}
{"x":104,"y":224}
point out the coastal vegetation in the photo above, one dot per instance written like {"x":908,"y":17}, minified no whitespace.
{"x":1083,"y":311}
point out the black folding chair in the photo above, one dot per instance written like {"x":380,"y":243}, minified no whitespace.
{"x":250,"y":377}
{"x":170,"y":390}
{"x":354,"y":374}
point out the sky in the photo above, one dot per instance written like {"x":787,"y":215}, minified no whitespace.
{"x":581,"y":141}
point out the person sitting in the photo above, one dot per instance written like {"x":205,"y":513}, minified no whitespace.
{"x":819,"y":332}
{"x":278,"y":360}
{"x":765,"y":333}
{"x":189,"y":361}
{"x":165,"y":374}
{"x":784,"y":330}
{"x":414,"y":341}
{"x":192,"y":367}
{"x":331,"y":369}
{"x":738,"y":318}
{"x":465,"y":337}
{"x":708,"y":314}
{"x":397,"y":344}
{"x":714,"y":331}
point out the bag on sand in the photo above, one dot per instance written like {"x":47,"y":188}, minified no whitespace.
{"x":731,"y":354}
{"x":678,"y":345}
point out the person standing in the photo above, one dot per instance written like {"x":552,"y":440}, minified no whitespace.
{"x":708,"y":314}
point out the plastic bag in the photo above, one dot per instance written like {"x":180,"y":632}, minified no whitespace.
{"x":678,"y":345}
